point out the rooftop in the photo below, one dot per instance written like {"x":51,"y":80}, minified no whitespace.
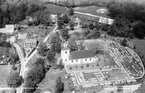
{"x":81,"y":54}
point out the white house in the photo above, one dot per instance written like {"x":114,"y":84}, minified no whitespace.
{"x":53,"y":17}
{"x":9,"y":29}
{"x":105,"y":20}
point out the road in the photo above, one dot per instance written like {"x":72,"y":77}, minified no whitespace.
{"x":19,"y":51}
{"x":24,"y":61}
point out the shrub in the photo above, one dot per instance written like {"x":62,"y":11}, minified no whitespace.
{"x":14,"y":80}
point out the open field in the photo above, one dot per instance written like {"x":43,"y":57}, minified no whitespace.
{"x":54,"y":9}
{"x":8,"y":91}
{"x":94,"y":44}
{"x":139,"y":44}
{"x":4,"y":72}
{"x":137,"y":1}
{"x":32,"y":61}
{"x":91,"y":10}
{"x":85,"y":16}
{"x":49,"y":82}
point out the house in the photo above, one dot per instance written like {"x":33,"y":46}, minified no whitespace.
{"x":53,"y":17}
{"x":30,"y":43}
{"x":102,"y":10}
{"x":77,"y":57}
{"x":9,"y":29}
{"x":22,"y":36}
{"x":105,"y":20}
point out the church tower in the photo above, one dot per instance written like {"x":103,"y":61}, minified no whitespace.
{"x":65,"y":52}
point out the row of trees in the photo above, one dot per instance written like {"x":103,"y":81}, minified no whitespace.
{"x":34,"y":76}
{"x":50,"y":52}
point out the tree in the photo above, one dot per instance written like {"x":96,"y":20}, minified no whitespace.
{"x":56,"y":47}
{"x":14,"y":80}
{"x":42,"y":49}
{"x":65,"y":18}
{"x":35,"y":75}
{"x":42,"y":17}
{"x":124,"y":42}
{"x":71,"y":24}
{"x":32,"y":8}
{"x":60,"y":65}
{"x":93,"y":35}
{"x":64,"y":34}
{"x":71,"y":11}
{"x":59,"y":86}
{"x":60,"y":23}
{"x":55,"y":43}
{"x":50,"y":55}
{"x":138,"y":29}
{"x":72,"y":45}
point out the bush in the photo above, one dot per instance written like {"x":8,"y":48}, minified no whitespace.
{"x":55,"y":43}
{"x":64,"y":34}
{"x":14,"y":80}
{"x":71,"y":11}
{"x":127,"y":19}
{"x":42,"y":49}
{"x":50,"y":55}
{"x":34,"y":76}
{"x":59,"y":86}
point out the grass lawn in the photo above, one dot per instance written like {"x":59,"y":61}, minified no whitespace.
{"x":5,"y":70}
{"x":115,"y":74}
{"x":91,"y":10}
{"x":32,"y":60}
{"x":85,"y":16}
{"x":38,"y":33}
{"x":139,"y":44}
{"x":92,"y":44}
{"x":8,"y":91}
{"x":48,"y":83}
{"x":55,"y":9}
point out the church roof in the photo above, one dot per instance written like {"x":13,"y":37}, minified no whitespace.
{"x":81,"y":54}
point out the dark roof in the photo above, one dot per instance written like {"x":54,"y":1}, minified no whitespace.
{"x":81,"y":54}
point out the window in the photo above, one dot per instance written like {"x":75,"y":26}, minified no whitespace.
{"x":76,"y":60}
{"x":72,"y":61}
{"x":85,"y":59}
{"x":66,"y":52}
{"x":65,"y":59}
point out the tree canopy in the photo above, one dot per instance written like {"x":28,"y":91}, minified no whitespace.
{"x":42,"y":49}
{"x":14,"y":80}
{"x":59,"y":86}
{"x":129,"y":19}
{"x":64,"y":34}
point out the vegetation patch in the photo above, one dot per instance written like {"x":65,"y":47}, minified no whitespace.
{"x":55,"y":9}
